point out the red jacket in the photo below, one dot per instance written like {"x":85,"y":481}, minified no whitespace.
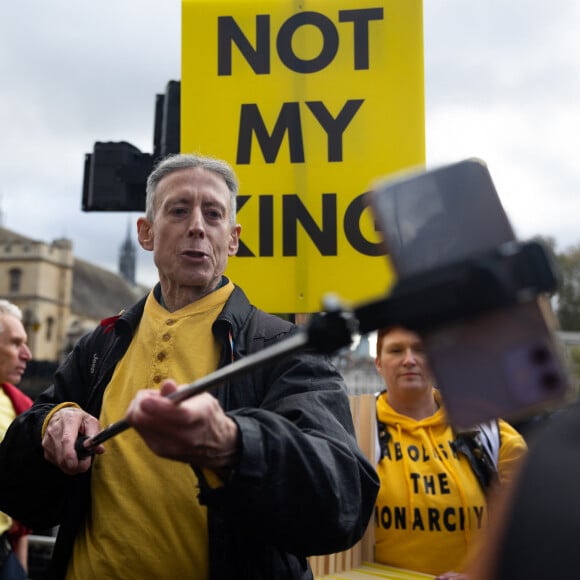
{"x":20,"y":401}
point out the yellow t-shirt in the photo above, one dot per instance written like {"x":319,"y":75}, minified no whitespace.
{"x":430,"y":505}
{"x":145,"y":520}
{"x":431,"y":511}
{"x":7,"y":415}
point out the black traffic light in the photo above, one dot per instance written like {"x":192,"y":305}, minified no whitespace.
{"x":115,"y":176}
{"x":115,"y":173}
{"x":166,"y":136}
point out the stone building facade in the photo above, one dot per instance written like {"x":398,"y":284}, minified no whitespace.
{"x":61,"y":297}
{"x":37,"y":277}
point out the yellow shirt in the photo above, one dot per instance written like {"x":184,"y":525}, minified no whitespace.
{"x":431,"y":510}
{"x":7,"y":415}
{"x":145,"y":520}
{"x":430,"y":504}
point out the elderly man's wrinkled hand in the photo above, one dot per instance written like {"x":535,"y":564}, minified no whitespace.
{"x":196,"y":431}
{"x":60,"y":436}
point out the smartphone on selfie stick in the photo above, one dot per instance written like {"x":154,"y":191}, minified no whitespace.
{"x":488,"y":362}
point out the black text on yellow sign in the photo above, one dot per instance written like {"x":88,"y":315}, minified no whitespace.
{"x":324,"y":237}
{"x":310,"y":104}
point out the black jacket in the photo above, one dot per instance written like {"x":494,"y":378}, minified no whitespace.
{"x":302,"y":485}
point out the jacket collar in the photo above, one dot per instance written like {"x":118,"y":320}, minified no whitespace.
{"x":234,"y":316}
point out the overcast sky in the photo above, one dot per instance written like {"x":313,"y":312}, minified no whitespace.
{"x":502,"y":82}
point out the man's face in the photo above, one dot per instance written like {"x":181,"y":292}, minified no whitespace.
{"x":14,"y":351}
{"x":191,"y":236}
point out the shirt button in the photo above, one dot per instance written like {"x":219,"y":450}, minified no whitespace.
{"x":161,"y":356}
{"x":170,"y":321}
{"x":166,"y":336}
{"x":157,"y":379}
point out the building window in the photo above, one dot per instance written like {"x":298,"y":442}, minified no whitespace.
{"x":49,"y":328}
{"x":15,"y":279}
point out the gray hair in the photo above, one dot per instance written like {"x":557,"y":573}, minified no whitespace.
{"x":179,"y":161}
{"x":9,"y":309}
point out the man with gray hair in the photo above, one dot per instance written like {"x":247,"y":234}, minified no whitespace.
{"x":14,"y":355}
{"x":241,"y":483}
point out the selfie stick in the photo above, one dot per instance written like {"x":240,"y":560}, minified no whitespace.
{"x":513,"y":273}
{"x":326,"y":333}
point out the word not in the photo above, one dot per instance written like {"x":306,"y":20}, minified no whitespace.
{"x":258,"y":58}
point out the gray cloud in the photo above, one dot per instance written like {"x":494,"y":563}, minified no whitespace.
{"x":503,"y":83}
{"x":75,"y":73}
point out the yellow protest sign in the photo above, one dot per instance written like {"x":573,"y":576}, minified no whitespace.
{"x":310,"y":102}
